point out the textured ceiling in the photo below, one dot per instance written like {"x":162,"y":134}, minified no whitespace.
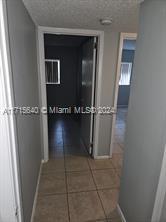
{"x":85,"y":13}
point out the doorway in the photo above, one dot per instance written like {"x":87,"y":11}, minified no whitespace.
{"x":95,"y":85}
{"x":127,"y":49}
{"x":70,"y":77}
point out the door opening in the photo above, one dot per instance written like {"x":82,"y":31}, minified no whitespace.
{"x":58,"y":78}
{"x":70,"y":66}
{"x":122,"y":93}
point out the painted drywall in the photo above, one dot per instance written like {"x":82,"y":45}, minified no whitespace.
{"x":65,"y":93}
{"x":22,"y":36}
{"x":163,"y":213}
{"x":124,"y":91}
{"x":111,"y":45}
{"x":145,"y":136}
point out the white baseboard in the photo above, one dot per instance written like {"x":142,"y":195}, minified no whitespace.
{"x":101,"y":157}
{"x":44,"y":161}
{"x":121,"y":213}
{"x":36,"y":193}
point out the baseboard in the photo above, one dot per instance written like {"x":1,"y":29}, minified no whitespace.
{"x":121,"y":213}
{"x":44,"y":161}
{"x":36,"y":193}
{"x":101,"y":157}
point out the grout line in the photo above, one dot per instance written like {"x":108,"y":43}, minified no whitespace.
{"x":97,"y":191}
{"x":89,"y":170}
{"x":83,"y":191}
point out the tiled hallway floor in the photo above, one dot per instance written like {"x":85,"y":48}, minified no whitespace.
{"x":120,"y":128}
{"x":73,"y":187}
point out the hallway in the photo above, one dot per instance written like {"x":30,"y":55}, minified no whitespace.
{"x":73,"y":187}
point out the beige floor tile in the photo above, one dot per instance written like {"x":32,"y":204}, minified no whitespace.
{"x":121,"y":145}
{"x":100,"y":164}
{"x":85,"y":206}
{"x":80,"y":181}
{"x":106,"y":179}
{"x":115,"y":220}
{"x":53,"y":165}
{"x":119,"y":172}
{"x":76,"y":163}
{"x":117,"y":149}
{"x":109,"y":200}
{"x":52,"y":183}
{"x":117,"y":160}
{"x":98,"y":221}
{"x":52,"y":208}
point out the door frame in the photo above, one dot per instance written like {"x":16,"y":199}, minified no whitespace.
{"x":42,"y":86}
{"x":123,"y":36}
{"x":9,"y":124}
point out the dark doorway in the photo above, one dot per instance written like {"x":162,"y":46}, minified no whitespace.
{"x":64,"y":65}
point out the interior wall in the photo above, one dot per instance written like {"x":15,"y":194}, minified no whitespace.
{"x":22,"y":37}
{"x":145,"y":135}
{"x":66,"y":93}
{"x":163,"y":213}
{"x":110,"y":55}
{"x":124,"y":90}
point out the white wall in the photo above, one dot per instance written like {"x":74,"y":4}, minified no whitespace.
{"x":111,"y":45}
{"x":146,"y":125}
{"x":7,"y":197}
{"x":7,"y":182}
{"x":163,"y":213}
{"x":25,"y":83}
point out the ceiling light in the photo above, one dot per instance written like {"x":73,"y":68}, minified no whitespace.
{"x":106,"y":21}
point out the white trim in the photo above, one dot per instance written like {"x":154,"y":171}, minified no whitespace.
{"x":93,"y":92}
{"x":43,"y":99}
{"x":52,"y":61}
{"x":36,"y":193}
{"x":121,"y":213}
{"x":99,"y":67}
{"x":123,"y":36}
{"x":101,"y":157}
{"x":42,"y":94}
{"x":11,"y":121}
{"x":68,"y":31}
{"x":43,"y":161}
{"x":161,"y":192}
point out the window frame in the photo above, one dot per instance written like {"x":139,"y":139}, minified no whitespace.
{"x":129,"y":70}
{"x":52,"y":61}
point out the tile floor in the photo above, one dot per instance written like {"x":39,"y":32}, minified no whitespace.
{"x":120,"y":131}
{"x":73,"y":187}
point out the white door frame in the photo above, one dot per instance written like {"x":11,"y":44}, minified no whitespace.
{"x":9,"y":137}
{"x":42,"y":86}
{"x":123,"y":36}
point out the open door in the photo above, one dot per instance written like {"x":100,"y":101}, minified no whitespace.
{"x":89,"y":53}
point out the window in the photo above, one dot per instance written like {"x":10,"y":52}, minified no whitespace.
{"x":52,"y":68}
{"x":126,"y":69}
